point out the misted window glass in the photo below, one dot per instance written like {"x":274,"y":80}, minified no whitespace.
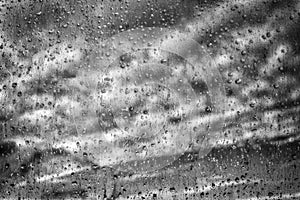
{"x":149,"y":99}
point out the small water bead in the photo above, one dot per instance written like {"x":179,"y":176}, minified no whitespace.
{"x":238,"y":81}
{"x":208,"y":109}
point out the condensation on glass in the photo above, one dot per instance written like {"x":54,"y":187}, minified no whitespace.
{"x":149,"y":99}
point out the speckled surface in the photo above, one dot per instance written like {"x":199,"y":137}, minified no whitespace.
{"x":149,"y":100}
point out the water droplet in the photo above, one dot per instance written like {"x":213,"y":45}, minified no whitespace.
{"x":238,"y":81}
{"x":208,"y":109}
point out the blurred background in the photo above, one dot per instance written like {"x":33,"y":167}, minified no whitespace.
{"x":59,"y":140}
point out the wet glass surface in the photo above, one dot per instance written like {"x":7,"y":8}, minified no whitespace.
{"x":158,"y":99}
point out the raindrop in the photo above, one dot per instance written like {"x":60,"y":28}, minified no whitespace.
{"x":208,"y":109}
{"x":238,"y":81}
